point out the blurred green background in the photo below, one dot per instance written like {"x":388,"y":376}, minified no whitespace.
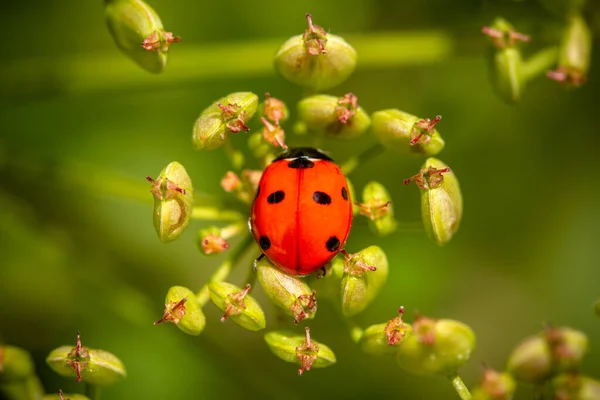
{"x":81,"y":126}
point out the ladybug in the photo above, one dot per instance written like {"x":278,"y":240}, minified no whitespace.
{"x":302,"y":213}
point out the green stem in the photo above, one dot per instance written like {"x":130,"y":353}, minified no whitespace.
{"x":539,"y":63}
{"x":355,"y":330}
{"x":367,"y":155}
{"x":235,"y":156}
{"x":215,"y":214}
{"x":92,"y":391}
{"x":460,"y":387}
{"x":225,"y":268}
{"x":112,"y":72}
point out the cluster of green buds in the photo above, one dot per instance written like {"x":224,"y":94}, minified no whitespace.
{"x":17,"y":374}
{"x":316,"y":60}
{"x":139,"y":33}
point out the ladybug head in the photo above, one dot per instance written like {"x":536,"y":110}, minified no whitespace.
{"x":303,"y":152}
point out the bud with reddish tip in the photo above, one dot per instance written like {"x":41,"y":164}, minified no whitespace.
{"x":494,"y":385}
{"x":437,"y":347}
{"x":138,"y":32}
{"x":441,"y":200}
{"x":300,"y":349}
{"x":384,"y":338}
{"x":182,"y":309}
{"x":227,"y":115}
{"x":574,"y":53}
{"x":290,"y":293}
{"x":406,"y":133}
{"x":316,"y":60}
{"x":273,"y":109}
{"x":365,"y":273}
{"x":237,"y":305}
{"x":334,"y":117}
{"x":574,"y":386}
{"x":377,"y":206}
{"x":173,"y":198}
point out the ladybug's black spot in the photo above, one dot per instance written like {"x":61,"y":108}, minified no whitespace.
{"x":344,"y":193}
{"x":321,"y":198}
{"x":333,"y":243}
{"x":265,"y":243}
{"x":276,"y":197}
{"x":301,"y":163}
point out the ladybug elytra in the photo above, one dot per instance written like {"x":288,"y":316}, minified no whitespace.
{"x":302,"y":213}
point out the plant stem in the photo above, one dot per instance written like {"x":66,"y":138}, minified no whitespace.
{"x":225,"y":268}
{"x":355,"y":330}
{"x":539,"y":63}
{"x":460,"y":387}
{"x":92,"y":391}
{"x":215,"y":214}
{"x":95,"y":71}
{"x":370,"y":153}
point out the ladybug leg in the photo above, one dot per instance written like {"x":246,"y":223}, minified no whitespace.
{"x":321,"y":272}
{"x":257,"y":260}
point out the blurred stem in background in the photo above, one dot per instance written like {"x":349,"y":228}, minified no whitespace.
{"x":80,"y":74}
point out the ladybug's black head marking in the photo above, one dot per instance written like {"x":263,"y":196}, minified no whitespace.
{"x":333,"y":243}
{"x":301,"y":163}
{"x":276,"y":197}
{"x":303,"y":152}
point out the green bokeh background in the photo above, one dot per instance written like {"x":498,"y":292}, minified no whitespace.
{"x":81,"y":126}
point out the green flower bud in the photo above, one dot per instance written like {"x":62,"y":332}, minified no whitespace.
{"x":26,"y":388}
{"x":339,"y":118}
{"x":227,"y":115}
{"x":273,"y":109}
{"x":574,"y":53}
{"x":182,"y":309}
{"x":554,"y":351}
{"x":97,"y":367}
{"x":15,"y":364}
{"x":297,"y":349}
{"x":506,"y":61}
{"x":359,"y":288}
{"x":575,"y":387}
{"x":383,"y":338}
{"x":139,"y":33}
{"x":65,"y":396}
{"x":494,"y":386}
{"x":173,"y":199}
{"x":316,"y":60}
{"x":377,"y":206}
{"x":441,"y":200}
{"x":437,"y":347}
{"x":242,"y":308}
{"x":407,"y":134}
{"x":288,"y":292}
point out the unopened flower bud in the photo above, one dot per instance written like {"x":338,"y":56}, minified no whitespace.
{"x":97,"y":367}
{"x":494,"y":385}
{"x":406,"y":133}
{"x":237,"y":305}
{"x":377,"y":206}
{"x":575,"y":387}
{"x":441,"y":200}
{"x":365,"y":274}
{"x":334,"y":117}
{"x":210,"y":240}
{"x":384,"y":338}
{"x":173,"y":198}
{"x":316,"y":60}
{"x":506,"y":61}
{"x":574,"y":53}
{"x":437,"y":347}
{"x":138,"y":32}
{"x":300,"y":349}
{"x":553,"y":351}
{"x":273,"y":109}
{"x":15,"y":364}
{"x":290,"y":293}
{"x":227,"y":115}
{"x":182,"y":309}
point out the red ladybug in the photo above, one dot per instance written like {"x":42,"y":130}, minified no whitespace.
{"x":302,"y":213}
